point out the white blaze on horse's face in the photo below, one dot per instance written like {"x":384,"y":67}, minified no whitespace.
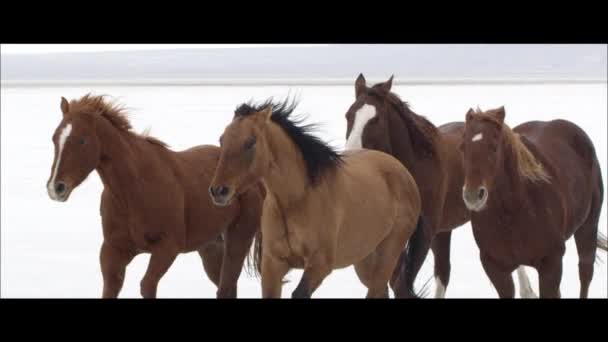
{"x":362,"y":117}
{"x":63,"y":136}
{"x":477,"y":137}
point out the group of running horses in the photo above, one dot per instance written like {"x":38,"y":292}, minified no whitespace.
{"x":273,"y":196}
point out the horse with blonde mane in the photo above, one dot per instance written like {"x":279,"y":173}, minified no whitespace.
{"x":154,"y":199}
{"x":322,"y":210}
{"x":529,"y":190}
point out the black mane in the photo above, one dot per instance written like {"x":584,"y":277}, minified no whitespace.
{"x":318,"y":156}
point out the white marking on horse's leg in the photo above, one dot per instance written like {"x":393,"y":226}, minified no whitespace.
{"x":63,"y":136}
{"x":362,"y":117}
{"x":477,"y":137}
{"x":525,"y":290}
{"x":439,"y":288}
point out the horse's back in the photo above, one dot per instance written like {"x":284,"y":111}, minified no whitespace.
{"x":561,"y":141}
{"x":202,"y":157}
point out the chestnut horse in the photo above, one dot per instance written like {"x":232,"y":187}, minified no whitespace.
{"x":529,"y":190}
{"x":323,"y":210}
{"x":154,"y":200}
{"x":379,"y":120}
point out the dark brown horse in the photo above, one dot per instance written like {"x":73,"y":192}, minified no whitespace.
{"x":379,"y":120}
{"x":154,"y":200}
{"x":530,"y":189}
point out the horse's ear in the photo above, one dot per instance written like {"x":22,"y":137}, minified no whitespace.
{"x":386,"y":86}
{"x":267,"y":113}
{"x":500,"y":114}
{"x":65,"y":106}
{"x":469,"y":115}
{"x":359,"y":85}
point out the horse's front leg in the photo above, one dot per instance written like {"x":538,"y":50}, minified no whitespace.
{"x":113,"y":262}
{"x":273,"y":271}
{"x":550,"y":275}
{"x":164,"y":253}
{"x":500,"y":276}
{"x":317,"y":269}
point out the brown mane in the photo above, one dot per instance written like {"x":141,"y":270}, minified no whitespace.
{"x":422,"y":132}
{"x":114,"y":113}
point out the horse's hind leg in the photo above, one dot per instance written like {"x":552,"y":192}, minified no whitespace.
{"x":441,"y":250}
{"x":379,"y":266}
{"x":365,"y":271}
{"x":586,"y":242}
{"x":211,"y":255}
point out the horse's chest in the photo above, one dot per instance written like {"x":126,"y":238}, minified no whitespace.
{"x":513,"y":238}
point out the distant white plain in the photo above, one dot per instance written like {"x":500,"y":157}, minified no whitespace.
{"x":51,"y":249}
{"x":11,"y":49}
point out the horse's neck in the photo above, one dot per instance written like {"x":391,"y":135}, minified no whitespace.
{"x":286,"y":177}
{"x":401,"y":141}
{"x":117,"y":168}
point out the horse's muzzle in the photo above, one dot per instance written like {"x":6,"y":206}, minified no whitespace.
{"x":220,"y":195}
{"x":475,"y":198}
{"x":58,"y":191}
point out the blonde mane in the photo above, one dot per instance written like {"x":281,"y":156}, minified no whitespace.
{"x":528,"y":166}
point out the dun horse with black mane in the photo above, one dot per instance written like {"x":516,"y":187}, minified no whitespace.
{"x":154,"y":200}
{"x":529,"y":190}
{"x":322,"y":210}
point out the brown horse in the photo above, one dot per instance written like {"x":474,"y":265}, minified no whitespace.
{"x":530,"y":189}
{"x":154,"y":200}
{"x":322,"y":210}
{"x":379,"y":120}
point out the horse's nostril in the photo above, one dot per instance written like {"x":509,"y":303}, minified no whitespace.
{"x":59,"y":188}
{"x":222,"y":191}
{"x":482,"y":192}
{"x":218,"y":191}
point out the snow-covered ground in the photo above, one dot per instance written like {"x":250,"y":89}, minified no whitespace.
{"x":51,"y":249}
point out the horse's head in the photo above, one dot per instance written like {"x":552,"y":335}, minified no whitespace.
{"x":244,"y":154}
{"x":483,"y":154}
{"x":368,"y":117}
{"x":77,"y":152}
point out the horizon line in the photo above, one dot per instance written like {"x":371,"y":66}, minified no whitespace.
{"x":284,"y":81}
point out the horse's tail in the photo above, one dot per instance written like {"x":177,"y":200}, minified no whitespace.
{"x":414,"y":251}
{"x":257,"y":253}
{"x":602,"y":243}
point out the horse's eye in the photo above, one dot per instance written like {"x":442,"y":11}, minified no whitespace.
{"x":249,"y":143}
